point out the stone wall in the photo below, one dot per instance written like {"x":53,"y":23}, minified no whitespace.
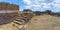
{"x":7,"y":6}
{"x":8,"y":17}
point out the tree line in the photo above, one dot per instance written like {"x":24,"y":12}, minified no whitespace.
{"x":48,"y":12}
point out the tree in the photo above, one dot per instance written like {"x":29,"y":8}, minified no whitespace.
{"x":48,"y":11}
{"x":37,"y":12}
{"x":58,"y":13}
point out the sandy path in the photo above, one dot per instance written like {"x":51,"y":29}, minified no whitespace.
{"x":44,"y":22}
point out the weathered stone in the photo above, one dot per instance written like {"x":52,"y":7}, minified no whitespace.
{"x":7,"y":6}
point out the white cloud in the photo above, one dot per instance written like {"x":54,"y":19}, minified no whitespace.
{"x":27,"y":2}
{"x":57,"y":1}
{"x":41,"y":4}
{"x":57,"y":5}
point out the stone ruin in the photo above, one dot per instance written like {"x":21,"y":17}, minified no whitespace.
{"x":7,"y":6}
{"x":8,"y":12}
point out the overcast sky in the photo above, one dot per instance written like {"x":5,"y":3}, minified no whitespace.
{"x":35,"y":5}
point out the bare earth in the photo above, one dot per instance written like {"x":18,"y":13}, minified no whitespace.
{"x":7,"y":27}
{"x":44,"y":22}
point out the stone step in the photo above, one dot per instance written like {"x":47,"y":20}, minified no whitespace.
{"x":22,"y":19}
{"x":25,"y":20}
{"x":19,"y":16}
{"x":18,"y":23}
{"x":18,"y":19}
{"x":15,"y":24}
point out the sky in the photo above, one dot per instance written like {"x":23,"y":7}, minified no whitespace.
{"x":36,"y":5}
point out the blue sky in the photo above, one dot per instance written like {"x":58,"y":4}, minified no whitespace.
{"x":11,"y":1}
{"x":36,"y":5}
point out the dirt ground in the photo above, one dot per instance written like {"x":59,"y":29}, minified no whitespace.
{"x":44,"y":22}
{"x":7,"y":27}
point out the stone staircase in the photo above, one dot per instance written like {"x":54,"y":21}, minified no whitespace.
{"x":21,"y":21}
